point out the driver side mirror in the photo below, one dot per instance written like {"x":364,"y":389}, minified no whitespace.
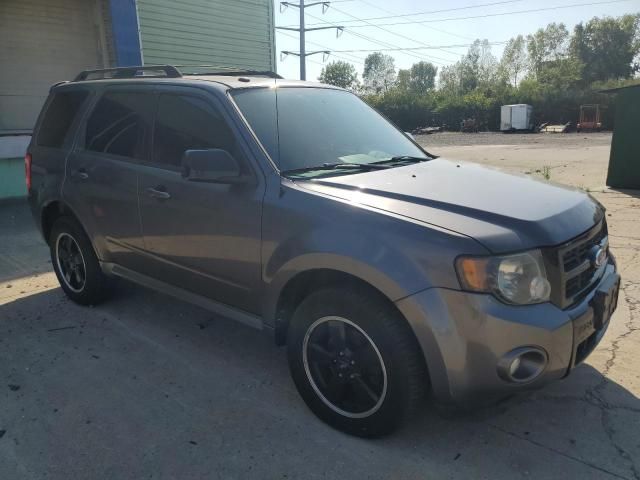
{"x":212,"y":165}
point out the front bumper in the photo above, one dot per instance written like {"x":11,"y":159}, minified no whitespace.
{"x":464,"y":335}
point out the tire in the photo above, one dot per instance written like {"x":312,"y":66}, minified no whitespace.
{"x":382,"y":369}
{"x":70,"y":248}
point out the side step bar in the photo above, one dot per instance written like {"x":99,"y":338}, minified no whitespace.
{"x":206,"y":303}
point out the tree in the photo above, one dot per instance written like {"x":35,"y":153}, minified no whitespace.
{"x":487,"y":64}
{"x":547,"y":44}
{"x":379,"y":72}
{"x":478,"y":68}
{"x":514,"y":60}
{"x":450,"y":81}
{"x":563,"y":73}
{"x":422,"y":77}
{"x":339,"y":73}
{"x":403,"y":80}
{"x":607,"y":47}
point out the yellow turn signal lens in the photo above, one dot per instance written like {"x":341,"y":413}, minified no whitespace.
{"x":473,"y":273}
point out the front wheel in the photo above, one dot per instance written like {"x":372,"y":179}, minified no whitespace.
{"x":355,"y":362}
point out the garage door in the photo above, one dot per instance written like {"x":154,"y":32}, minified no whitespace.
{"x":42,"y":42}
{"x":234,"y":33}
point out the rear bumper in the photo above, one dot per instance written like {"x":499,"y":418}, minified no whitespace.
{"x":463,"y":337}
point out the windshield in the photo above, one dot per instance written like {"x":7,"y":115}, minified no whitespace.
{"x":302,"y":127}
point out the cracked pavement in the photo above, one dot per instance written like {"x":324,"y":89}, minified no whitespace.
{"x":148,"y":386}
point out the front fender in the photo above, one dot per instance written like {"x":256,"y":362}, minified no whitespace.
{"x":305,"y":231}
{"x":327,"y":261}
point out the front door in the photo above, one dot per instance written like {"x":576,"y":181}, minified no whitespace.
{"x":202,"y":237}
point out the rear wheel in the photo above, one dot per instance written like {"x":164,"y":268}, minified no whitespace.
{"x":355,"y":362}
{"x":75,"y":263}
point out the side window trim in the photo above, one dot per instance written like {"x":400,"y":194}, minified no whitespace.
{"x":80,"y":139}
{"x":214,"y":107}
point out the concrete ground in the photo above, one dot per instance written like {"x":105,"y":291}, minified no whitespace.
{"x":145,"y":386}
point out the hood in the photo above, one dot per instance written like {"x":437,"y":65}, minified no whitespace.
{"x":502,"y":211}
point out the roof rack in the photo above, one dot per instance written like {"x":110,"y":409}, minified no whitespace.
{"x":129,"y":72}
{"x":225,"y":71}
{"x":167,"y":71}
{"x":237,"y":73}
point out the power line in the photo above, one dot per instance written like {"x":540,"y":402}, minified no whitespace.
{"x":430,"y":27}
{"x":378,"y":42}
{"x":491,"y":14}
{"x":460,"y":45}
{"x":399,"y":35}
{"x":428,"y":12}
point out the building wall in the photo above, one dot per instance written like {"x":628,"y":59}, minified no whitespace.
{"x":42,"y":42}
{"x":235,"y":33}
{"x":46,"y":41}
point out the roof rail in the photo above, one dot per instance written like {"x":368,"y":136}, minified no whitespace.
{"x":237,"y":73}
{"x":129,"y":72}
{"x":226,"y":71}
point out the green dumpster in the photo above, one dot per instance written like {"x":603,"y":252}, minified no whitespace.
{"x":624,"y":160}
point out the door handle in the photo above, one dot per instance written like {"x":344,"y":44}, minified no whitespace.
{"x":81,"y":173}
{"x":158,"y":193}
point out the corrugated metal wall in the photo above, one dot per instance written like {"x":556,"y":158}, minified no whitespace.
{"x":238,"y":33}
{"x":41,"y":42}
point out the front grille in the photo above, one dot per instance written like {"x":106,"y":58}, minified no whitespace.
{"x":574,"y":285}
{"x":579,"y":250}
{"x":576,"y":275}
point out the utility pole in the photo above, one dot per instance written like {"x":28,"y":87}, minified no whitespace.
{"x":303,"y":50}
{"x":303,"y":54}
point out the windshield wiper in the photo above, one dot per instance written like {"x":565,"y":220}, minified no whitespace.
{"x":337,"y":166}
{"x":403,"y":159}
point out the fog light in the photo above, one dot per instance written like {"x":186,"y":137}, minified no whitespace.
{"x":522,"y":365}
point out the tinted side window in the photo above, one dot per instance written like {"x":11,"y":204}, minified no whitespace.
{"x":59,"y":116}
{"x":119,"y":124}
{"x":187,"y":123}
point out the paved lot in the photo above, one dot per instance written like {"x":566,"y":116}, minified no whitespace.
{"x":146,"y":386}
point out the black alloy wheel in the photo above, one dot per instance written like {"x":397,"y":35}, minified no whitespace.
{"x":344,"y":367}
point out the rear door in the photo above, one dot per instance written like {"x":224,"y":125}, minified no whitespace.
{"x":102,"y":181}
{"x":202,"y":237}
{"x":52,"y":142}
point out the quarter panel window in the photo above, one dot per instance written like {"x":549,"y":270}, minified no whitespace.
{"x":188,"y":123}
{"x":119,"y":124}
{"x":59,"y":116}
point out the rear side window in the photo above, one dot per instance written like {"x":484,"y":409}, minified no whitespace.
{"x":187,"y":123}
{"x":58,"y":118}
{"x":119,"y":124}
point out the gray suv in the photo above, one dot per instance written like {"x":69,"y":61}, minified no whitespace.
{"x":295,"y":208}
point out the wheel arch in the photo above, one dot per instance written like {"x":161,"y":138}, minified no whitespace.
{"x":56,"y":209}
{"x":299,"y":286}
{"x":52,"y":211}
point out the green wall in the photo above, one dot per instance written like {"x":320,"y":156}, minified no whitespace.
{"x":12,"y":178}
{"x":235,"y":33}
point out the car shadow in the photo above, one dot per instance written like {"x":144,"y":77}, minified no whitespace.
{"x":180,"y":374}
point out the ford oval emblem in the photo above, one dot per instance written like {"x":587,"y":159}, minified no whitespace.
{"x":599,"y":257}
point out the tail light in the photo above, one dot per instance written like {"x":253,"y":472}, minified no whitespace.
{"x":27,"y":170}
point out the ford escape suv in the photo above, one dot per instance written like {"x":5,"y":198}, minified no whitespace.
{"x":295,"y":208}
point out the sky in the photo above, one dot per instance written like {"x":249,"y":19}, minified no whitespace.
{"x":439,"y":28}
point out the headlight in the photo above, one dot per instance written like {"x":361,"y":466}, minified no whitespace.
{"x":518,"y":279}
